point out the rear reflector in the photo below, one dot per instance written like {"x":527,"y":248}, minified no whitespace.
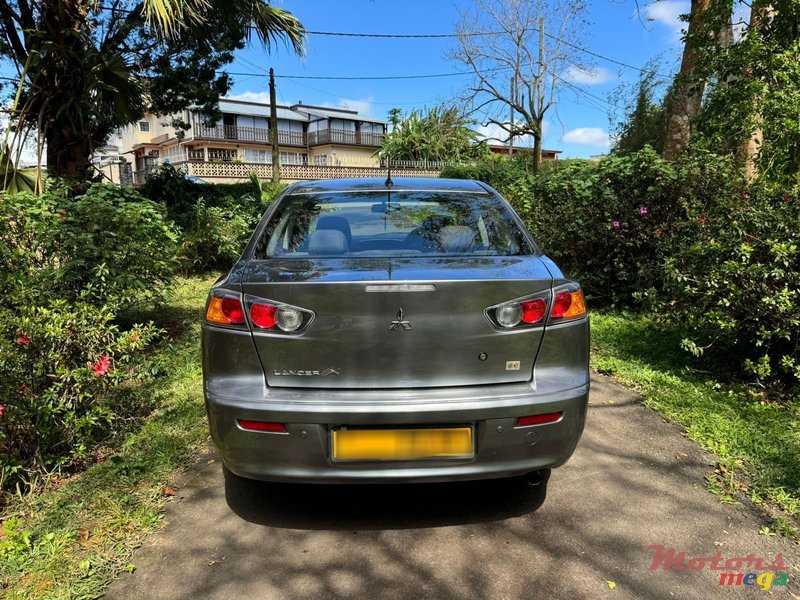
{"x":538,"y":419}
{"x":268,"y":426}
{"x":226,"y":310}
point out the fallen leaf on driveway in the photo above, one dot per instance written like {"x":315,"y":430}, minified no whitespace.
{"x":611,"y":584}
{"x":168,"y":491}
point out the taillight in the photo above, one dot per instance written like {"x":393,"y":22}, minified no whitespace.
{"x":520,"y":313}
{"x":225,"y":310}
{"x":568,"y":304}
{"x":288,"y":319}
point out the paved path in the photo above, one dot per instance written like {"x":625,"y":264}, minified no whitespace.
{"x":634,"y":481}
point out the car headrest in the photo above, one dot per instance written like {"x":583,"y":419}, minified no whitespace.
{"x":327,"y":241}
{"x":336,"y":224}
{"x":456,"y":238}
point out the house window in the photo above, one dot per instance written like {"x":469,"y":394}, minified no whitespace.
{"x":293,"y":158}
{"x":321,"y":159}
{"x":261,"y":157}
{"x":144,"y":126}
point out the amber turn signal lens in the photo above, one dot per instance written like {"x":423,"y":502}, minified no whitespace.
{"x":578,"y":307}
{"x":224,"y":311}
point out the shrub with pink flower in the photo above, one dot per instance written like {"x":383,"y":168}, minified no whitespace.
{"x":642,"y":210}
{"x":615,"y":224}
{"x":102,"y":366}
{"x":23,"y":340}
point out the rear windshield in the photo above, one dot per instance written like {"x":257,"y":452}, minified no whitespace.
{"x":392,"y":224}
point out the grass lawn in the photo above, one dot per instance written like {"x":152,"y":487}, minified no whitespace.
{"x":756,"y":439}
{"x":72,"y":541}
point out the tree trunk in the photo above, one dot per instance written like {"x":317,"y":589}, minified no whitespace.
{"x":687,"y":94}
{"x":537,"y":147}
{"x":67,"y":130}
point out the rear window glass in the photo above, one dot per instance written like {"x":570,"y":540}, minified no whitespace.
{"x":392,"y":224}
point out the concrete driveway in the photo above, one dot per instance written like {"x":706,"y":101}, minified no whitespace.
{"x":635,"y":481}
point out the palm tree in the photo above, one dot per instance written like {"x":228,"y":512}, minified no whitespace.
{"x":94,"y":66}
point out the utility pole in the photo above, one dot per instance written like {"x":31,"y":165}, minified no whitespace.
{"x":273,"y":128}
{"x":513,"y":96}
{"x":537,"y":139}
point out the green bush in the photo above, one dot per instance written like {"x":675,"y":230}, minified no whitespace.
{"x":733,"y":277}
{"x":215,"y":238}
{"x":68,"y":266}
{"x":110,"y":241}
{"x":59,"y":363}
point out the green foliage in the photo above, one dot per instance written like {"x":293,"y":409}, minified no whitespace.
{"x":59,"y":363}
{"x":68,"y":266}
{"x":644,"y":120}
{"x":441,"y":134}
{"x":110,"y":241}
{"x":216,"y":219}
{"x":733,"y":278}
{"x":215,"y":238}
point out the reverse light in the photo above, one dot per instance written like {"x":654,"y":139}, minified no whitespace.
{"x":509,"y":315}
{"x":568,"y":305}
{"x":539,"y":419}
{"x":525,"y":312}
{"x":225,"y":310}
{"x":266,"y":426}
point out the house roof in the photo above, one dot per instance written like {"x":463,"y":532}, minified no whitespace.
{"x":296,"y":112}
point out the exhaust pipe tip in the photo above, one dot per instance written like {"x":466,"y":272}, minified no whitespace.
{"x":537,"y":478}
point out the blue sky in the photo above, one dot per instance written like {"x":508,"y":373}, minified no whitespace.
{"x":578,"y":126}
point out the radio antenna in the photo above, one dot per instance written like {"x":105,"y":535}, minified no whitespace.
{"x":389,"y":183}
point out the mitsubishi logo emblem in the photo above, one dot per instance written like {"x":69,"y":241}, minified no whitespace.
{"x":400,"y":321}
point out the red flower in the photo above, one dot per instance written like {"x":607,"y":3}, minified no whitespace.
{"x":702,"y":218}
{"x":23,"y":340}
{"x":23,"y":388}
{"x":62,"y":214}
{"x":2,"y":409}
{"x":786,"y":197}
{"x":102,"y":366}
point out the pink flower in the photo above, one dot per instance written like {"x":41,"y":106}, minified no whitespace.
{"x":746,"y":196}
{"x":702,"y":218}
{"x":23,"y":388}
{"x":642,"y":210}
{"x":2,"y":409}
{"x":102,"y":366}
{"x":23,"y":340}
{"x":615,"y":224}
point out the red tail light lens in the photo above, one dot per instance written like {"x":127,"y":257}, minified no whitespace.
{"x":225,"y":310}
{"x":539,"y":419}
{"x":263,"y":315}
{"x":267,"y":426}
{"x":533,"y":311}
{"x":561,"y":304}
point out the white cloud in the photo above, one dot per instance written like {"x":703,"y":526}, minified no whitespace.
{"x":587,"y":136}
{"x":667,"y":13}
{"x":588,"y":75}
{"x":363,"y":106}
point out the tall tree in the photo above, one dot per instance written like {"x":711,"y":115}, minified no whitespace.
{"x":440,"y":134}
{"x":90,"y":67}
{"x":517,"y":50}
{"x":642,"y":123}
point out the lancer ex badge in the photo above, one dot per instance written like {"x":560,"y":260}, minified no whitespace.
{"x":400,"y":322}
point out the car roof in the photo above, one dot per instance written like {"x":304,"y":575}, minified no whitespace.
{"x":378,"y":184}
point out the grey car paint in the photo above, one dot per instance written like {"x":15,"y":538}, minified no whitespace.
{"x":443,"y":363}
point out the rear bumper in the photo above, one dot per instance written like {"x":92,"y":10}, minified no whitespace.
{"x":303,"y":454}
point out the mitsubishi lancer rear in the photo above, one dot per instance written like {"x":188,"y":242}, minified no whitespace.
{"x":394,"y":331}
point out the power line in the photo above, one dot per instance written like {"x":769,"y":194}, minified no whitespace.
{"x":365,"y":77}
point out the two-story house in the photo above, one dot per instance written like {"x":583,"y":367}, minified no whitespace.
{"x":307,"y":135}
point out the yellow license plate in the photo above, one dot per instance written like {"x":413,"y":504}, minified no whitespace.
{"x":403,"y":444}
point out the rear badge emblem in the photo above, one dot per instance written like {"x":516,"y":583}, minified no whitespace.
{"x":294,"y":373}
{"x":400,"y":322}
